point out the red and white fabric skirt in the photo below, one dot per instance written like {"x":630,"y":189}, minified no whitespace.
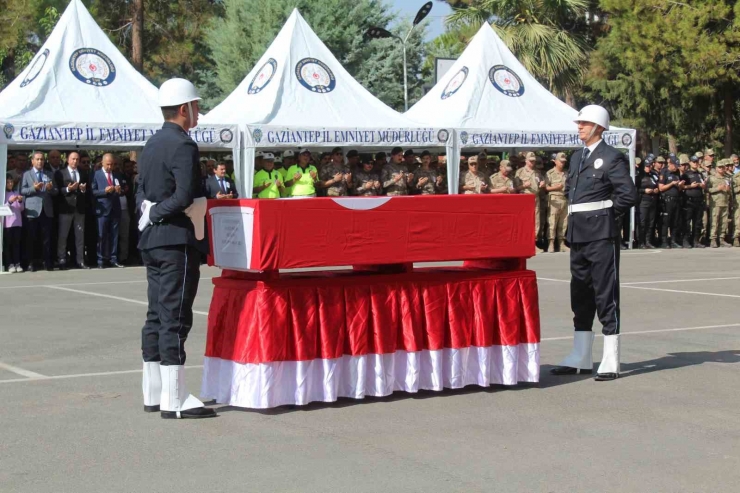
{"x":300,"y":340}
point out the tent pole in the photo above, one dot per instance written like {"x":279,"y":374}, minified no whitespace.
{"x":632,"y":150}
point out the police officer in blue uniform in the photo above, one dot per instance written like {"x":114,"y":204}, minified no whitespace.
{"x":647,"y":186}
{"x":694,"y":186}
{"x":599,"y":190}
{"x":671,"y":186}
{"x":170,"y":198}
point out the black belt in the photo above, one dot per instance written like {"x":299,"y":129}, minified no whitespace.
{"x":669,"y":198}
{"x":697,"y":199}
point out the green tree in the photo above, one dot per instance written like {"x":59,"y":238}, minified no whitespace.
{"x":549,"y":37}
{"x":240,"y":37}
{"x":670,"y":68}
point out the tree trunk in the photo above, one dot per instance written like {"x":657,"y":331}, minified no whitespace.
{"x":672,"y":145}
{"x":137,"y":36}
{"x":646,"y":145}
{"x":729,"y":106}
{"x":570,"y":100}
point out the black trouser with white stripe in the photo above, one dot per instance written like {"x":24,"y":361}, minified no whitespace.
{"x":173,"y":273}
{"x":594,"y":284}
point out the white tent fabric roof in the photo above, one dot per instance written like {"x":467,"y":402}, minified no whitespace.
{"x":487,"y":88}
{"x":298,"y":83}
{"x":80,"y":76}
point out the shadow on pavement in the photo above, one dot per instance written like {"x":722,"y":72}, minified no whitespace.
{"x":673,"y":361}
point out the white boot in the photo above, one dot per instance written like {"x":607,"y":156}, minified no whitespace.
{"x":580,"y":358}
{"x":151,"y":385}
{"x":176,"y":401}
{"x":609,"y":367}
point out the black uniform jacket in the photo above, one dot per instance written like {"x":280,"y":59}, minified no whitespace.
{"x":169,"y":175}
{"x":609,"y":181}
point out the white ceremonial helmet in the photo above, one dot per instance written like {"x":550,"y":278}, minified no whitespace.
{"x":594,"y":114}
{"x":175,"y":92}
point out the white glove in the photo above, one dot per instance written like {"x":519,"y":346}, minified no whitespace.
{"x":146,"y":208}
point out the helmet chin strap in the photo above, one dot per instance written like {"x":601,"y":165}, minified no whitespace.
{"x":190,"y":114}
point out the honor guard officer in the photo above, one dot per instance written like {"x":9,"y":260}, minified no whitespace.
{"x":172,"y":208}
{"x":598,"y":188}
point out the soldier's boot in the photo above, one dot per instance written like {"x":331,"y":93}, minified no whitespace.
{"x":674,"y":244}
{"x":563,"y":247}
{"x":725,"y":244}
{"x":713,"y":242}
{"x":698,"y":243}
{"x":551,"y":247}
{"x":736,"y":243}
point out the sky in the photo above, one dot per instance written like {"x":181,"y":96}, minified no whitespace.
{"x":408,"y":9}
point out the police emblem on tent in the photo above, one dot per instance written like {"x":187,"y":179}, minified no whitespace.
{"x":263,"y":77}
{"x":226,"y":136}
{"x":8,"y":130}
{"x":257,"y":135}
{"x":443,"y":135}
{"x":464,"y":137}
{"x":455,"y":83}
{"x":315,"y":75}
{"x":35,"y":68}
{"x":626,"y":140}
{"x":93,"y":67}
{"x":506,"y":81}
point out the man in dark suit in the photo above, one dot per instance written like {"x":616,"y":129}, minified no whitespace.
{"x":106,"y":187}
{"x":39,"y":190}
{"x":599,"y":190}
{"x":72,"y":185}
{"x":220,"y":186}
{"x":170,"y":197}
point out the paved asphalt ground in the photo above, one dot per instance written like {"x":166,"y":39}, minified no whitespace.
{"x":71,"y":416}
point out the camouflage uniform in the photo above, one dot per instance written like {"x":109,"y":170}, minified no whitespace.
{"x":500,"y":181}
{"x":470,"y":179}
{"x":523,"y":175}
{"x":430,"y":187}
{"x":327,"y":173}
{"x":557,"y":210}
{"x":389,"y":184}
{"x":718,"y":203}
{"x":361,"y":178}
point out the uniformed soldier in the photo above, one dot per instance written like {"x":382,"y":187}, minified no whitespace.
{"x":709,"y":160}
{"x":395,"y":176}
{"x":531,"y":183}
{"x":599,"y":188}
{"x":473,"y":181}
{"x":441,"y":168}
{"x":484,"y":165}
{"x":693,"y":191}
{"x":335,"y":178}
{"x":367,"y":181}
{"x":502,"y":182}
{"x":649,"y":193}
{"x":670,"y":186}
{"x":172,"y":207}
{"x":268,"y":182}
{"x":557,"y":217}
{"x":426,"y":179}
{"x":718,"y":186}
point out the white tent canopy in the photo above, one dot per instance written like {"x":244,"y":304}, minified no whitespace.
{"x":298,"y":94}
{"x":494,"y":102}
